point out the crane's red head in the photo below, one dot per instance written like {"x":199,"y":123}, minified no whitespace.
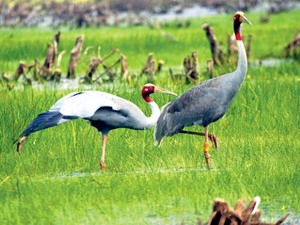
{"x":149,"y":89}
{"x":238,"y":18}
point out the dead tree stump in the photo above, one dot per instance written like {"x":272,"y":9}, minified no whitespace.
{"x":241,"y":215}
{"x":190,"y":64}
{"x":124,"y":68}
{"x":149,"y":67}
{"x":293,"y":45}
{"x":20,"y":71}
{"x":215,"y":47}
{"x":49,"y":61}
{"x":210,"y":68}
{"x":75,"y":55}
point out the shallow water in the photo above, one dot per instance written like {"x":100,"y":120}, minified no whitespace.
{"x":272,"y":62}
{"x":195,"y":11}
{"x":79,"y":174}
{"x":75,"y":84}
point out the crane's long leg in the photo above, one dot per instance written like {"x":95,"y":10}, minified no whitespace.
{"x":20,"y":142}
{"x":207,"y":136}
{"x":206,"y":148}
{"x":212,"y":137}
{"x":102,"y":163}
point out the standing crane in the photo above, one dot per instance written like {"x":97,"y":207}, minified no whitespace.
{"x":104,"y":111}
{"x":207,"y":102}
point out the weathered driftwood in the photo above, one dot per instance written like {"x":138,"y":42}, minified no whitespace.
{"x":210,"y":68}
{"x":223,"y":214}
{"x":248,"y":46}
{"x":232,"y":48}
{"x":95,"y":62}
{"x":215,"y":47}
{"x":293,"y":45}
{"x":194,"y":73}
{"x":108,"y":70}
{"x":56,"y":75}
{"x":4,"y":77}
{"x":46,"y":70}
{"x":149,"y":67}
{"x":49,"y":61}
{"x":56,"y":39}
{"x":172,"y":74}
{"x":124,"y":68}
{"x":35,"y":68}
{"x":264,"y":19}
{"x":190,"y":64}
{"x":20,"y":71}
{"x":75,"y":55}
{"x":159,"y":66}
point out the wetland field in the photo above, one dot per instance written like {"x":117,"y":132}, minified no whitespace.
{"x":56,"y":178}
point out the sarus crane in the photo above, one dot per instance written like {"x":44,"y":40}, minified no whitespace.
{"x":207,"y":102}
{"x":104,"y":111}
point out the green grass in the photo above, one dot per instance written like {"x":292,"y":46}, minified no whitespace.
{"x":56,"y":179}
{"x":27,"y":44}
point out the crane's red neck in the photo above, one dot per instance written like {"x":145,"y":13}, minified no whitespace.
{"x":147,"y":91}
{"x":237,"y":27}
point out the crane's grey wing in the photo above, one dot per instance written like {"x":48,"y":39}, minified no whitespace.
{"x":197,"y":106}
{"x":176,"y":115}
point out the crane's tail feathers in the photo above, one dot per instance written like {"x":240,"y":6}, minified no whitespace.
{"x":45,"y":120}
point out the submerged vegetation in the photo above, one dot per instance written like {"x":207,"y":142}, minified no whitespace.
{"x":56,"y":178}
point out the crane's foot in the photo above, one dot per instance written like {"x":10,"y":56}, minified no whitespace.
{"x":102,"y":165}
{"x":19,"y":145}
{"x":207,"y":155}
{"x":213,"y":140}
{"x":207,"y":159}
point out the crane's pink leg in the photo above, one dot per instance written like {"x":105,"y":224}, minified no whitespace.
{"x":102,"y":163}
{"x":21,"y":140}
{"x":207,"y":136}
{"x":211,"y":137}
{"x":206,"y":147}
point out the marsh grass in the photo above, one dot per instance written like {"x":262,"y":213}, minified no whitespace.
{"x":137,"y":42}
{"x":56,"y":178}
{"x":148,"y":184}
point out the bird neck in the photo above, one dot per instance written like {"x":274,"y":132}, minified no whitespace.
{"x":241,"y":69}
{"x":237,"y":30}
{"x":151,"y":121}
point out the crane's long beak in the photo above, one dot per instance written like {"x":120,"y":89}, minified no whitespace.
{"x":245,"y":20}
{"x":161,"y":90}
